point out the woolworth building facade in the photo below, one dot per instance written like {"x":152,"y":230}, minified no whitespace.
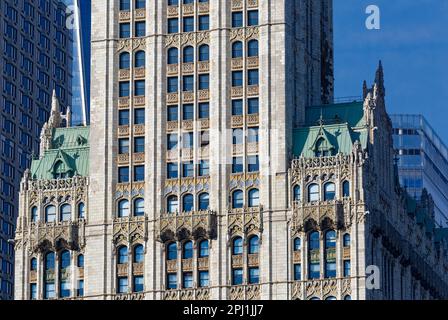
{"x":217,"y":167}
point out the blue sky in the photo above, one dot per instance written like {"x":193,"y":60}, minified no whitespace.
{"x":413,"y":45}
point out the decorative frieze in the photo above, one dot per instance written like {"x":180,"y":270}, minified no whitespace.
{"x":245,"y":221}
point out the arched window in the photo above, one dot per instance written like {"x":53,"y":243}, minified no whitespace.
{"x":330,"y":254}
{"x":203,"y":249}
{"x":346,"y":240}
{"x":34,"y":214}
{"x":237,"y":199}
{"x":187,"y":202}
{"x":80,"y":261}
{"x":50,"y":214}
{"x":122,"y":255}
{"x":254,"y":245}
{"x":204,"y":201}
{"x":313,"y":192}
{"x":254,"y":198}
{"x":237,"y":246}
{"x":187,"y":252}
{"x":237,"y":49}
{"x":314,"y":255}
{"x":329,"y":191}
{"x":346,"y":189}
{"x":314,"y":299}
{"x":81,"y":210}
{"x":123,"y":208}
{"x":204,"y":54}
{"x":139,"y":207}
{"x":330,"y":298}
{"x":138,"y":253}
{"x":66,"y":212}
{"x":139,"y":59}
{"x":252,"y":48}
{"x":33,"y":264}
{"x":173,"y":56}
{"x":188,"y":54}
{"x":65,"y":259}
{"x":297,"y":244}
{"x":171,"y":251}
{"x":172,"y":204}
{"x":125,"y":60}
{"x":347,"y":297}
{"x":297,"y":193}
{"x":49,"y":261}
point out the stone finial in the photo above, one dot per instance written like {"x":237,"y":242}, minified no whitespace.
{"x":55,"y":115}
{"x":378,"y":87}
{"x":68,"y":117}
{"x":365,"y":90}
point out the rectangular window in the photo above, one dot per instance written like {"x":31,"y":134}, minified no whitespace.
{"x":122,"y":285}
{"x":204,"y":168}
{"x":314,"y":271}
{"x":124,"y":89}
{"x":187,"y":140}
{"x":252,"y":77}
{"x":172,"y":114}
{"x":188,"y":83}
{"x":64,"y":289}
{"x":187,"y":280}
{"x":330,"y":270}
{"x":172,"y":141}
{"x":253,"y":164}
{"x":123,"y":146}
{"x":187,"y":169}
{"x":140,"y":29}
{"x":237,"y":79}
{"x":252,"y":18}
{"x":237,"y":277}
{"x":188,"y":24}
{"x":33,"y":291}
{"x":254,"y":275}
{"x":204,"y":81}
{"x":172,"y":85}
{"x":123,"y":117}
{"x":204,"y":23}
{"x":237,"y":107}
{"x":138,"y":283}
{"x":123,"y":174}
{"x":125,"y":30}
{"x":252,"y":106}
{"x":173,"y":25}
{"x":298,"y":272}
{"x":80,"y":290}
{"x":237,"y":19}
{"x":49,"y":292}
{"x":204,"y":138}
{"x":139,"y":144}
{"x":252,"y":135}
{"x":203,"y":279}
{"x":139,"y":87}
{"x":171,"y":281}
{"x":237,"y":165}
{"x":347,"y":268}
{"x":139,"y":116}
{"x":139,"y":173}
{"x":203,"y":110}
{"x":172,"y":172}
{"x":187,"y":112}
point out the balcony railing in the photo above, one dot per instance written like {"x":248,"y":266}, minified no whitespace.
{"x":317,"y":211}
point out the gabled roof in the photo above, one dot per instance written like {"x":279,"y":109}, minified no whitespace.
{"x":69,"y":145}
{"x":341,"y":125}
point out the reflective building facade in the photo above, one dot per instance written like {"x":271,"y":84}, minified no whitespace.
{"x":34,"y":60}
{"x":422,"y":161}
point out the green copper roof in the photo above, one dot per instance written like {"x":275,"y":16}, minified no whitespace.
{"x":69,"y":152}
{"x":338,"y":126}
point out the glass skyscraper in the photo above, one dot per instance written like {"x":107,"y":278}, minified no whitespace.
{"x":78,"y":22}
{"x":422,"y":161}
{"x":35,"y":60}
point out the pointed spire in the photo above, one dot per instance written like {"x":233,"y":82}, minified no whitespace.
{"x":365,"y":90}
{"x":54,"y":102}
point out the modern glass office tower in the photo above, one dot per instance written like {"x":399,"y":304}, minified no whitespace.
{"x":34,"y":60}
{"x":78,"y":22}
{"x":422,"y":161}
